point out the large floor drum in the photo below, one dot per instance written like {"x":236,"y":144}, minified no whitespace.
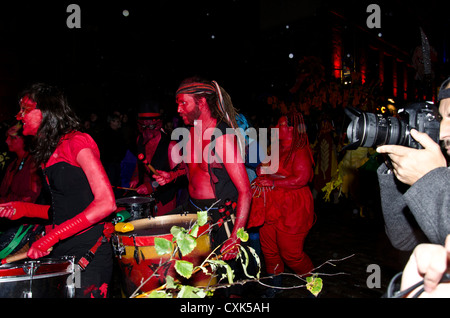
{"x":138,"y":259}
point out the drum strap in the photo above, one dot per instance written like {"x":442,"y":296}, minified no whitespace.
{"x":15,"y":242}
{"x":108,"y":229}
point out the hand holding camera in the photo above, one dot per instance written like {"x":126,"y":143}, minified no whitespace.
{"x":410,"y":164}
{"x":411,"y":140}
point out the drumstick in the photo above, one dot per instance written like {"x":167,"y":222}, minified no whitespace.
{"x":18,"y":257}
{"x":122,"y":188}
{"x":14,"y":258}
{"x":142,"y":158}
{"x":227,"y":229}
{"x":225,"y":221}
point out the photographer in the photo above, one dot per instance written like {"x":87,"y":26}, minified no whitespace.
{"x":418,"y":192}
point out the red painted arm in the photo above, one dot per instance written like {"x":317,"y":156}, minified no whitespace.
{"x":16,"y":210}
{"x":233,"y":163}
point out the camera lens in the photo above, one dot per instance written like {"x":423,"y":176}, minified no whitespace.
{"x":369,"y":130}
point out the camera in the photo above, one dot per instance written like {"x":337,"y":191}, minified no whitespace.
{"x":371,"y":130}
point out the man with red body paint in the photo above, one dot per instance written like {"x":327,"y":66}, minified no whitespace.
{"x":198,"y":105}
{"x":82,"y":196}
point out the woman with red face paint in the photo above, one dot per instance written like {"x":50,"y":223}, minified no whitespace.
{"x":283,"y":203}
{"x":21,"y":181}
{"x":82,"y":196}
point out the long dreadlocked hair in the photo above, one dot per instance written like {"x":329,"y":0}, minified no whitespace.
{"x":219,"y":101}
{"x":299,"y":138}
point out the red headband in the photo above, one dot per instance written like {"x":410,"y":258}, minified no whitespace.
{"x":149,"y":115}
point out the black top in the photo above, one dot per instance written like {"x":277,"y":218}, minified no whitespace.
{"x":221,"y":182}
{"x":160,"y":161}
{"x":71,"y":194}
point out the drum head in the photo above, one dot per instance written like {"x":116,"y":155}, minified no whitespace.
{"x":138,"y":207}
{"x":133,"y":200}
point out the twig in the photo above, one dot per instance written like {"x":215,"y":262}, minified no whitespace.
{"x":301,"y":277}
{"x":213,"y":256}
{"x":329,"y":262}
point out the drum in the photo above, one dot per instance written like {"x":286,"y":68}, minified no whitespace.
{"x":42,"y":278}
{"x":138,"y":259}
{"x":138,"y":207}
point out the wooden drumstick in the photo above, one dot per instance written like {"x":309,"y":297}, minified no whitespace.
{"x":14,"y":258}
{"x":225,"y":221}
{"x":18,"y":257}
{"x":142,"y":158}
{"x":122,"y":188}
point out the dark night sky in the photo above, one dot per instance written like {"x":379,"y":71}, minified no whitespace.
{"x":113,"y":59}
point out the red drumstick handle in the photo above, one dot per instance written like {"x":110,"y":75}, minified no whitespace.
{"x":14,"y":258}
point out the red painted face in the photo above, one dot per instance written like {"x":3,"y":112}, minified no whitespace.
{"x":285,"y":132}
{"x":30,"y":116}
{"x":187,"y":108}
{"x":15,"y":143}
{"x":149,"y":124}
{"x":31,"y":122}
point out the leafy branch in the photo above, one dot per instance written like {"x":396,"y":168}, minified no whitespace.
{"x":184,"y":241}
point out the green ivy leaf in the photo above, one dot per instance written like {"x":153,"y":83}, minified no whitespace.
{"x":314,"y":284}
{"x":178,"y":232}
{"x":242,"y":234}
{"x":186,"y":244}
{"x":159,"y":294}
{"x":170,"y":282}
{"x":184,"y":268}
{"x":202,"y":218}
{"x":191,"y":292}
{"x":163,"y":246}
{"x":194,"y":230}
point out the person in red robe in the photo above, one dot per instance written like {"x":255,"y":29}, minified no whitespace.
{"x":282,"y":202}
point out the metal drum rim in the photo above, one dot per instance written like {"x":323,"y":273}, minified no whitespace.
{"x":26,"y":277}
{"x":121,"y":201}
{"x":131,"y":239}
{"x":40,"y":261}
